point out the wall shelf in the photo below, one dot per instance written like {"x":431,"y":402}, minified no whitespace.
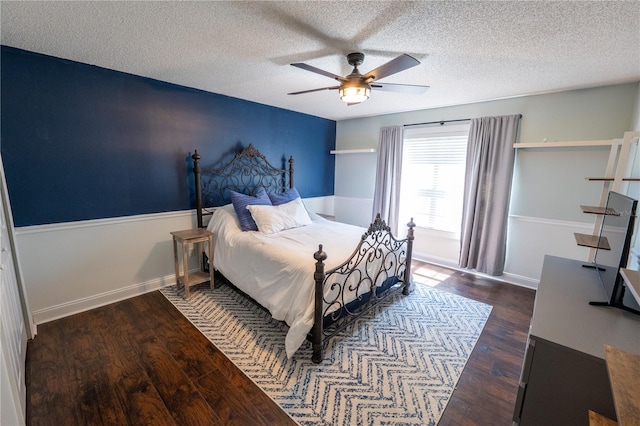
{"x":599,"y":210}
{"x":352,"y":151}
{"x":606,"y":142}
{"x":610,"y":179}
{"x":592,"y":241}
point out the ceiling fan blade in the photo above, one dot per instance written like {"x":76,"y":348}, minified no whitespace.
{"x":396,"y":65}
{"x":318,"y":71}
{"x":400,"y":88}
{"x":314,"y":90}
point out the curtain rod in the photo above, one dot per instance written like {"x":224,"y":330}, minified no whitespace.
{"x":440,"y":122}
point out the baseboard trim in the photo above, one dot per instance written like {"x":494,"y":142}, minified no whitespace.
{"x":95,"y":301}
{"x":519,"y":280}
{"x":506,"y":277}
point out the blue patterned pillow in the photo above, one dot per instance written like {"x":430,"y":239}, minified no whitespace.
{"x":287,"y":196}
{"x":240,"y":203}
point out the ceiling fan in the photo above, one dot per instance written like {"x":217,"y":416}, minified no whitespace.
{"x":356,"y":88}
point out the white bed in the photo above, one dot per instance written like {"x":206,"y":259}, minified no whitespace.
{"x":276,"y":270}
{"x":267,"y":245}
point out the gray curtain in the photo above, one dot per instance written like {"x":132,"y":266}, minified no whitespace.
{"x":490,"y":157}
{"x":386,"y":198}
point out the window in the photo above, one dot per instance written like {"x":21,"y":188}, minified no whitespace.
{"x":433,"y":171}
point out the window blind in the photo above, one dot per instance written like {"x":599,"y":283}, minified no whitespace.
{"x":433,"y":169}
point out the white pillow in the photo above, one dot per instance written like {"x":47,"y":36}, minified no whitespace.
{"x":272,"y":219}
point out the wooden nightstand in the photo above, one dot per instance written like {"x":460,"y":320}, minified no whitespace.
{"x":186,"y":239}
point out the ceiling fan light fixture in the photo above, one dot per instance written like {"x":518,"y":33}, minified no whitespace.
{"x":355,"y":88}
{"x":353,"y":94}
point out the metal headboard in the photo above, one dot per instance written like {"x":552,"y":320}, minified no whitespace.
{"x":247,"y":172}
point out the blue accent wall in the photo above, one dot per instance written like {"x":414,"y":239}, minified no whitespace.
{"x":82,"y":142}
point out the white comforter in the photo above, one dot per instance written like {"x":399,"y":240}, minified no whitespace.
{"x":277,"y":269}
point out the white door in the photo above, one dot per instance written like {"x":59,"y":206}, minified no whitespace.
{"x":15,"y":322}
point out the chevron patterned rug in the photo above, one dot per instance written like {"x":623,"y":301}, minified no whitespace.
{"x":398,"y":364}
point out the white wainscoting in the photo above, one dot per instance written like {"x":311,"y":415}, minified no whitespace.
{"x":321,"y":205}
{"x":531,"y":238}
{"x":74,"y":267}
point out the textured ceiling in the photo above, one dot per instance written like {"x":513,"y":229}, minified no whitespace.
{"x":469,"y":51}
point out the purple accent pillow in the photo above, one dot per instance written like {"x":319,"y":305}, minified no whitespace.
{"x":287,"y":196}
{"x":240,"y":203}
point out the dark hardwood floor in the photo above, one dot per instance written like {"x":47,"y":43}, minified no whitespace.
{"x":139,"y":361}
{"x":487,"y":389}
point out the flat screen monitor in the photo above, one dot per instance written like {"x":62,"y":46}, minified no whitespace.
{"x":617,"y":228}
